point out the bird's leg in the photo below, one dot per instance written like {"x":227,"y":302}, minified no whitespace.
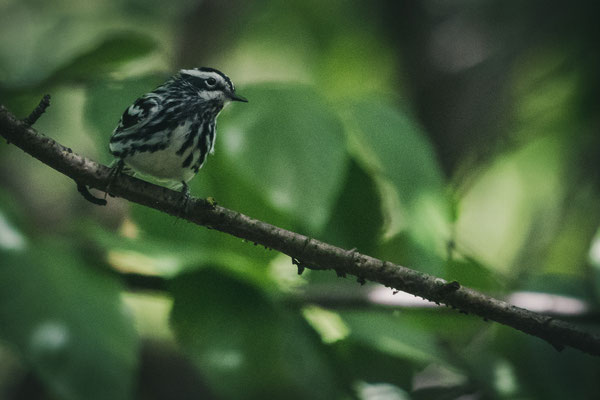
{"x":81,"y":188}
{"x":185,"y":197}
{"x":115,"y":169}
{"x":114,"y":172}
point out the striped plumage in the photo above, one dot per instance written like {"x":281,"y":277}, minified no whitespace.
{"x":168,"y":132}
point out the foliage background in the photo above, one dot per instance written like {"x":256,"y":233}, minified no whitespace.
{"x":401,"y":128}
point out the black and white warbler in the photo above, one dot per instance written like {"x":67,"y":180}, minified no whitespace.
{"x":168,"y":132}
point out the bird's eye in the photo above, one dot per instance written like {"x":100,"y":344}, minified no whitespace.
{"x":211,"y":81}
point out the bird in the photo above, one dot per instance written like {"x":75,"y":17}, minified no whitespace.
{"x":167,"y":133}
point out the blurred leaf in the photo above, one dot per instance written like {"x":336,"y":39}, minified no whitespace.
{"x":10,"y":237}
{"x":68,"y":322}
{"x":356,"y":221}
{"x":357,"y":361}
{"x":403,"y":249}
{"x":393,"y":334}
{"x":512,"y":211}
{"x":19,"y":102}
{"x":594,"y":259}
{"x":290,"y":147}
{"x":474,"y":275}
{"x":569,"y":374}
{"x":393,"y":147}
{"x":207,"y":246}
{"x":38,"y":39}
{"x":416,"y":337}
{"x":244,"y":345}
{"x":109,"y":55}
{"x":569,"y":285}
{"x":13,"y":223}
{"x":545,"y":84}
{"x":447,"y":327}
{"x":166,"y":247}
{"x":443,"y":393}
{"x":568,"y":252}
{"x":220,"y":179}
{"x":368,"y":391}
{"x":349,"y":53}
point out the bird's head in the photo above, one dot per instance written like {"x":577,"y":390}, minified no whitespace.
{"x":210,"y":84}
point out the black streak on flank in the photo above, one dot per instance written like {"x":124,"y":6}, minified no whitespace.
{"x":188,"y":160}
{"x":192,"y":133}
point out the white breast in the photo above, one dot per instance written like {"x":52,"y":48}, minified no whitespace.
{"x":166,"y":164}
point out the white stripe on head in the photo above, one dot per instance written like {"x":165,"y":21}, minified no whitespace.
{"x":205,"y":73}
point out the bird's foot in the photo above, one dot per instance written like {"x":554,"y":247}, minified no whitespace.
{"x":184,"y":206}
{"x":81,"y":188}
{"x":114,"y":172}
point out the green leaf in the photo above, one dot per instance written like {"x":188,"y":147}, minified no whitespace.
{"x":165,"y":246}
{"x":68,"y":322}
{"x":470,"y":273}
{"x":394,"y":148}
{"x":393,"y":334}
{"x":289,"y":146}
{"x":442,"y":392}
{"x":37,"y":41}
{"x":243,"y":344}
{"x":357,"y":219}
{"x":357,"y":361}
{"x":569,"y":374}
{"x":403,"y":249}
{"x":220,"y":179}
{"x":12,"y":223}
{"x":106,"y":57}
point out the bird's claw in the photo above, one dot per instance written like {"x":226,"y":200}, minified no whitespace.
{"x":184,"y":206}
{"x":114,"y":172}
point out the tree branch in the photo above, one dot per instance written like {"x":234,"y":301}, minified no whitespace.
{"x":307,"y":252}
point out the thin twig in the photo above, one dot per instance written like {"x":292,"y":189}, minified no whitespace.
{"x":316,"y":255}
{"x":38,"y":111}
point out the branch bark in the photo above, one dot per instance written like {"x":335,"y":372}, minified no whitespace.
{"x":305,"y":251}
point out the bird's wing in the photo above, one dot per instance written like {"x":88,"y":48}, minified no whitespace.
{"x":137,"y":115}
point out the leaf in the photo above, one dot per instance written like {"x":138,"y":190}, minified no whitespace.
{"x":290,"y":147}
{"x":470,"y":273}
{"x":395,"y":335}
{"x":569,"y":374}
{"x":164,"y":246}
{"x":12,"y":223}
{"x":442,"y":392}
{"x":37,"y":42}
{"x":403,"y":249}
{"x":394,"y":148}
{"x":243,"y":344}
{"x":397,"y":147}
{"x":357,"y":218}
{"x":357,"y":361}
{"x":106,"y":57}
{"x":68,"y":322}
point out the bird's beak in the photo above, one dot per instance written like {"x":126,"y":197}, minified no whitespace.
{"x":235,"y":97}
